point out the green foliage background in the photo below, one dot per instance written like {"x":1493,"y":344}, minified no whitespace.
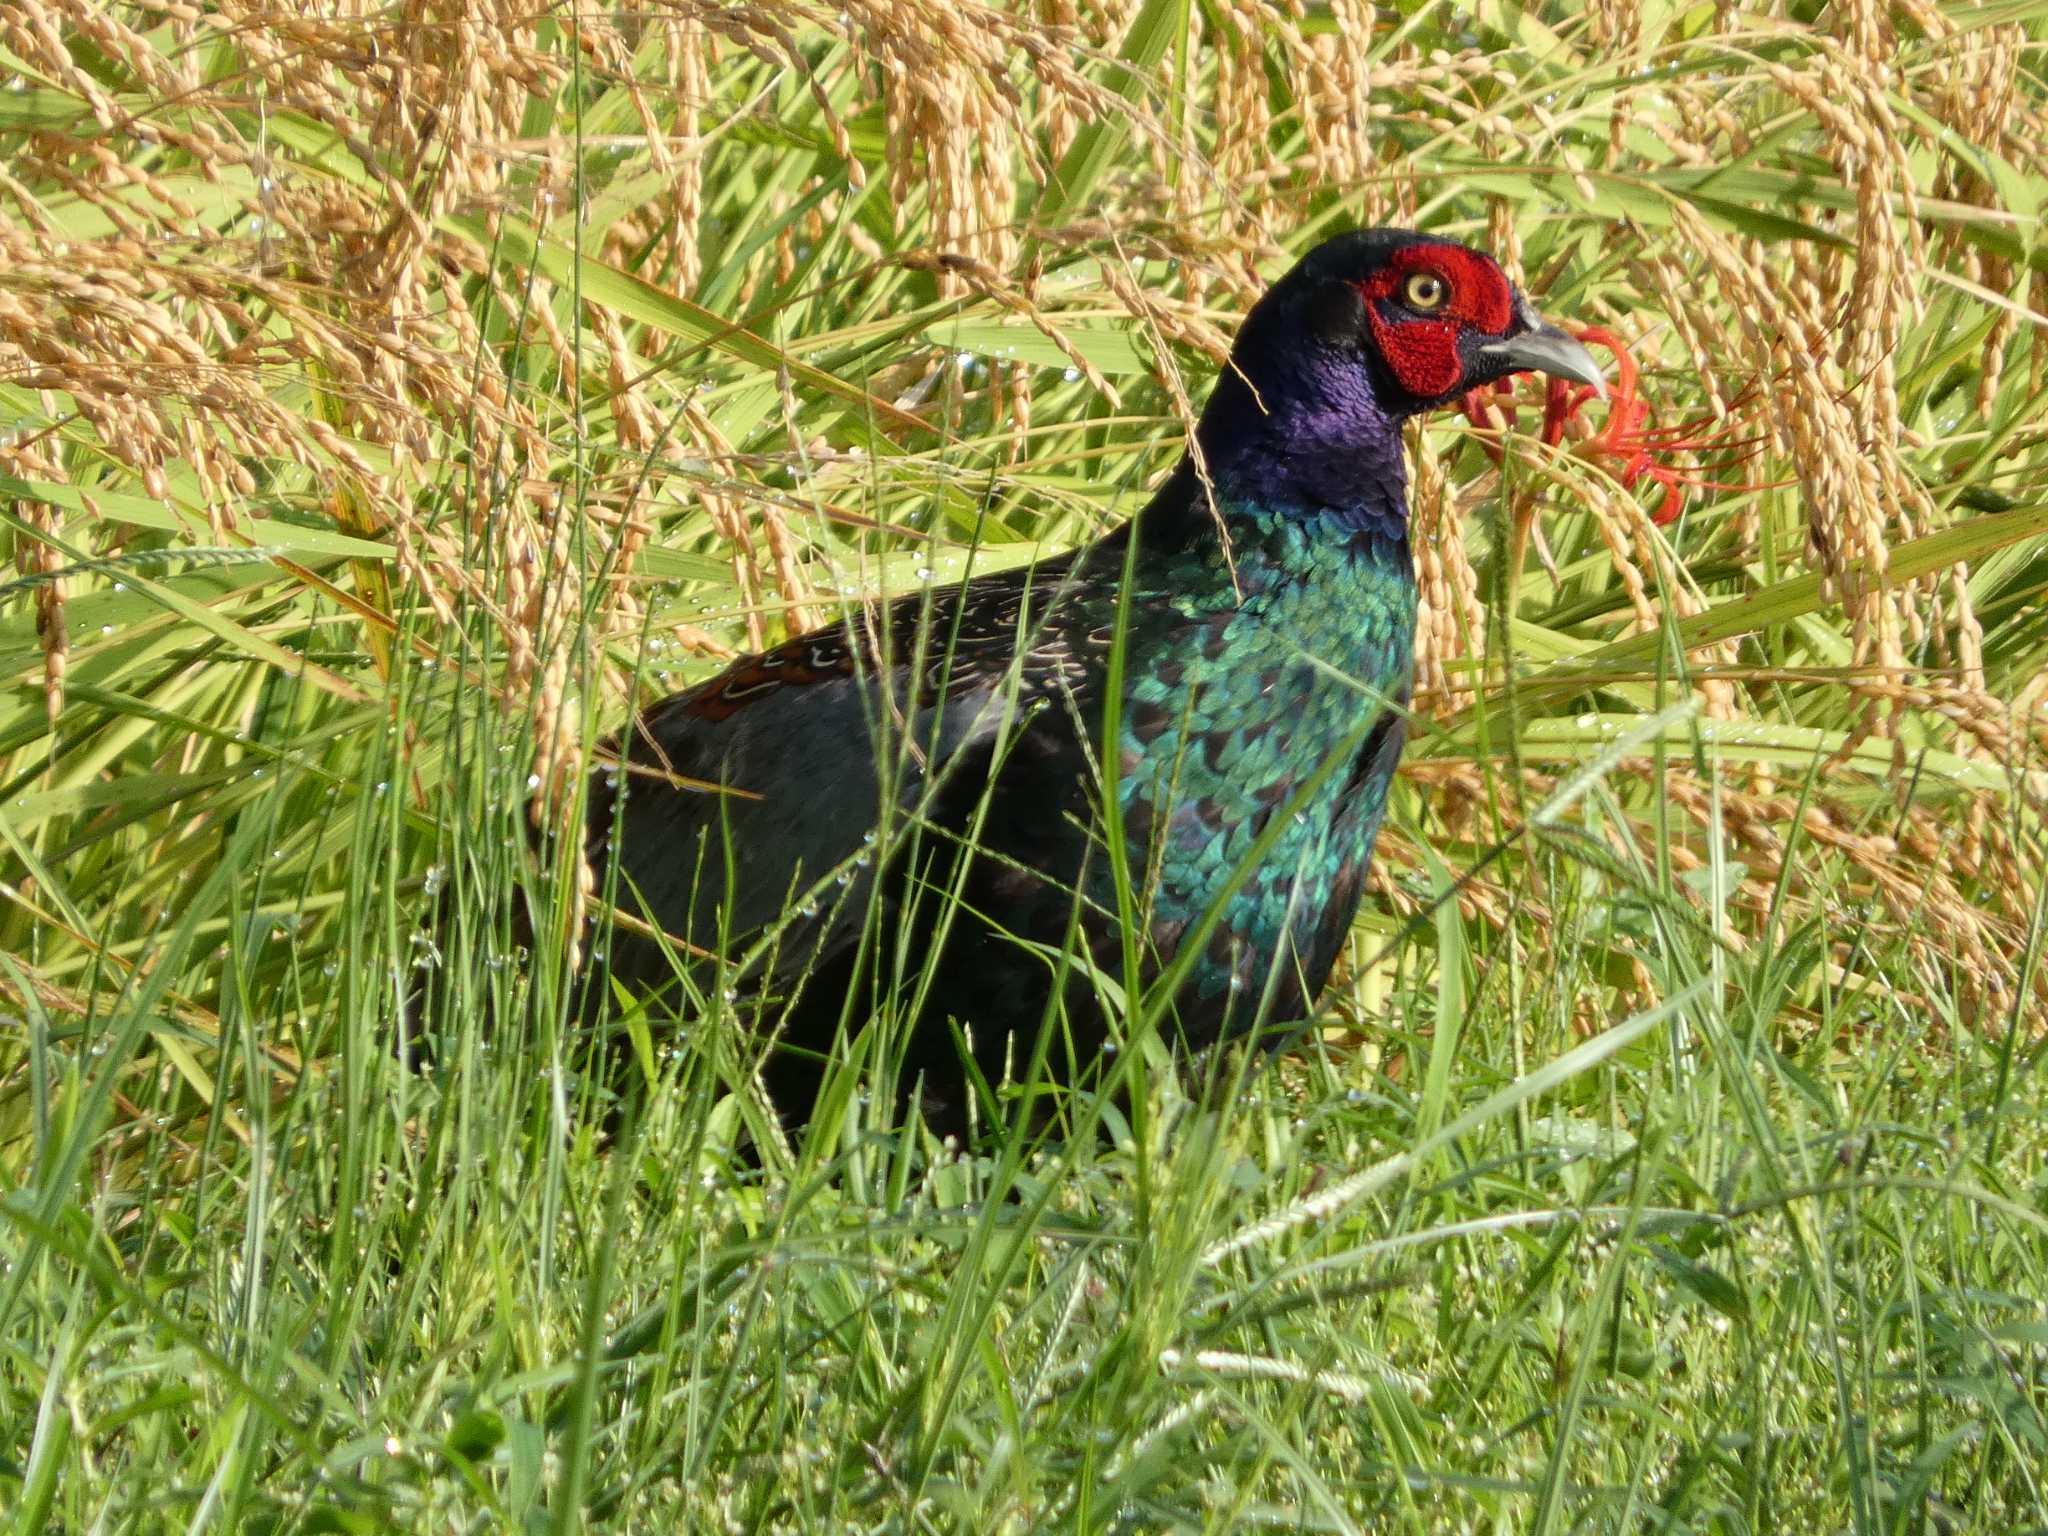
{"x":389,"y":396}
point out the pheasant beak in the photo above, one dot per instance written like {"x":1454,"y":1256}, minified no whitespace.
{"x":1544,"y":348}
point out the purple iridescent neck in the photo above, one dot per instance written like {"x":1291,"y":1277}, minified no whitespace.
{"x":1296,"y":440}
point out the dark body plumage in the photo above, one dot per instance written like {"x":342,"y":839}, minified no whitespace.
{"x":931,"y":773}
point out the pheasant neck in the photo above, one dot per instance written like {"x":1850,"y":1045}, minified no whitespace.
{"x":1328,"y":459}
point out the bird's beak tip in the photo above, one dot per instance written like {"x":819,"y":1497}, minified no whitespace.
{"x":1546,"y":349}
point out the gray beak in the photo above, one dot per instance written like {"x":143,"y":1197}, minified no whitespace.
{"x":1545,"y":349}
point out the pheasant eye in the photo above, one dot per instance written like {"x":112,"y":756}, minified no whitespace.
{"x":1424,"y":291}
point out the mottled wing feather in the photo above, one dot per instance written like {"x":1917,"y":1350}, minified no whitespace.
{"x":796,"y":741}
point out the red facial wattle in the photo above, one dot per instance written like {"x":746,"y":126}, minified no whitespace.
{"x":1422,"y":351}
{"x":1423,"y":354}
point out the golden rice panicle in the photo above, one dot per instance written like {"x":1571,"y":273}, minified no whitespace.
{"x":40,"y":559}
{"x":1451,"y":616}
{"x":690,"y":48}
{"x":1241,"y":156}
{"x":1617,"y":518}
{"x":1697,"y":325}
{"x":1846,"y":497}
{"x":1335,"y":89}
{"x":1976,"y":92}
{"x":954,"y":111}
{"x":1615,"y":26}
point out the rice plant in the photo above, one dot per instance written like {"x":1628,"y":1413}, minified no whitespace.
{"x":390,"y":399}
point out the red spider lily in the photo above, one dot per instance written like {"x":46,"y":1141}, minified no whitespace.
{"x":1633,"y":448}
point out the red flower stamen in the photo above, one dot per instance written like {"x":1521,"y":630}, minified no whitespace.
{"x":1631,"y":447}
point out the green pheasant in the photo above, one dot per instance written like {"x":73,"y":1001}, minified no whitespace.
{"x":1181,"y":736}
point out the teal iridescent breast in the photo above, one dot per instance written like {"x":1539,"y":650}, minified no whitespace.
{"x":1262,"y":702}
